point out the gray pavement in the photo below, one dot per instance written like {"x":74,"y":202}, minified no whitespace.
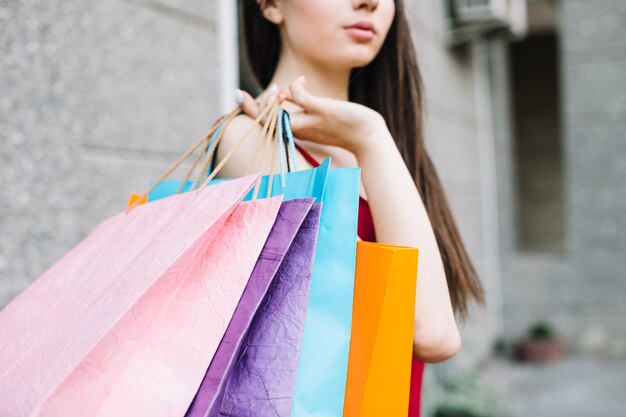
{"x":573,"y":387}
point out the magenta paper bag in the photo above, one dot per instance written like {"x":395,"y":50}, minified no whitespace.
{"x":263,"y":380}
{"x":288,"y":222}
{"x":50,"y":328}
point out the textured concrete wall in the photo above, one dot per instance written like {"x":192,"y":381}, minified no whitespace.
{"x":96,"y":98}
{"x":581,"y":290}
{"x":594,"y":87}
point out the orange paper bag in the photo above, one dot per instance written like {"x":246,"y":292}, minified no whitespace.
{"x":381,"y":345}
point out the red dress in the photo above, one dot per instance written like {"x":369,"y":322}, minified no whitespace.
{"x":366,"y":232}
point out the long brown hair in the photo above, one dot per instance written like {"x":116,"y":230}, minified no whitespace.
{"x":391,"y":85}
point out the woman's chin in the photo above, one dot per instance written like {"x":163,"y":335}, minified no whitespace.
{"x":352,"y":60}
{"x":359,"y":55}
{"x":361,"y":62}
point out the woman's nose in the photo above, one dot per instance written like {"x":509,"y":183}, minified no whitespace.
{"x":369,"y":4}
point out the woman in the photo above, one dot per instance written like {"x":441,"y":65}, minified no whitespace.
{"x":360,"y":102}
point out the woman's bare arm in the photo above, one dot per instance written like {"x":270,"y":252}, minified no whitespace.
{"x":400,"y":218}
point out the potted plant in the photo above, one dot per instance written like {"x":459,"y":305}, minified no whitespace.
{"x":541,"y":345}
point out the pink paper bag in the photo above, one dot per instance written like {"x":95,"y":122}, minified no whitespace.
{"x":56,"y":323}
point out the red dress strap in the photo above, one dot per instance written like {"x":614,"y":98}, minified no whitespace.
{"x":365,"y":226}
{"x":307,"y":156}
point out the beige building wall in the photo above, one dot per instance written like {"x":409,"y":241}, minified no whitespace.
{"x":460,"y":140}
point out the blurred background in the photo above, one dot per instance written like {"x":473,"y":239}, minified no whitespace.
{"x":526,"y":114}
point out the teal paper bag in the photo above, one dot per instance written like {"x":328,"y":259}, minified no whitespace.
{"x":323,"y":365}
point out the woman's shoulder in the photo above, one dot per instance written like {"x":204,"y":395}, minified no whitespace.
{"x":238,"y":152}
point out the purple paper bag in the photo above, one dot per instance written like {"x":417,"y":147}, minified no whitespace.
{"x":263,"y":380}
{"x":290,"y":218}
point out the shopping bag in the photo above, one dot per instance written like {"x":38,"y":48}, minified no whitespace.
{"x":323,"y":363}
{"x":309,"y":183}
{"x":262,"y":381}
{"x":164,"y":374}
{"x":379,"y":368}
{"x":55,"y":323}
{"x":322,"y":368}
{"x":288,"y":222}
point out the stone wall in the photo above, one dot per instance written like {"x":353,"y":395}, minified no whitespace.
{"x":97,"y":98}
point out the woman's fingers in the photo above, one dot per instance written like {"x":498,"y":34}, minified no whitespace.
{"x":269,"y":94}
{"x":301,"y":97}
{"x":251,"y":106}
{"x":301,"y":120}
{"x":248,"y":104}
{"x":302,"y":123}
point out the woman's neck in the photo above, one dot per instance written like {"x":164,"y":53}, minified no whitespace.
{"x":320,"y":81}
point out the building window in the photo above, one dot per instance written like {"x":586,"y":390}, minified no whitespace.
{"x":538,"y":149}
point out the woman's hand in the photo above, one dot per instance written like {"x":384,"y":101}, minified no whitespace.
{"x":323,"y":120}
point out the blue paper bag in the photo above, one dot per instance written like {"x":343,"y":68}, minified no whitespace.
{"x":322,"y":370}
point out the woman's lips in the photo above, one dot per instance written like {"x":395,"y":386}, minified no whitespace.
{"x":363,"y":30}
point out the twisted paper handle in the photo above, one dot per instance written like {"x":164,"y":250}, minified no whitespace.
{"x":212,"y":140}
